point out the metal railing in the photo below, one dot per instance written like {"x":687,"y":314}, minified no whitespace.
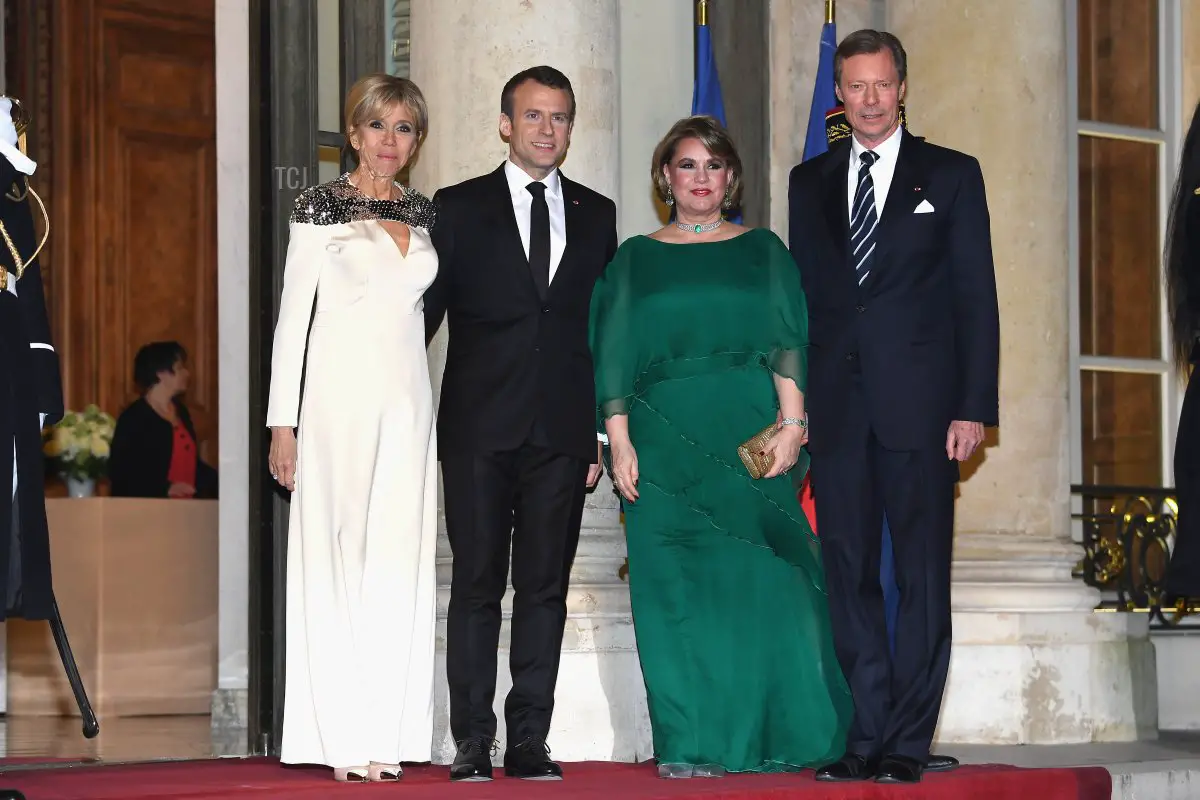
{"x":1128,"y":537}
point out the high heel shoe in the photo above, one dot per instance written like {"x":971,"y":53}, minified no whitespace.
{"x":351,"y":774}
{"x":384,"y":772}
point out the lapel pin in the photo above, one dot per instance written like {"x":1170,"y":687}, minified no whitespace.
{"x":916,"y":188}
{"x":574,"y":202}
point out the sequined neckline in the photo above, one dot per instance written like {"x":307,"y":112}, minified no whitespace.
{"x":339,"y":202}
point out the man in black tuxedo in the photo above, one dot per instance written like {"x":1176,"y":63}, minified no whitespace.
{"x":519,"y":251}
{"x":892,"y":237}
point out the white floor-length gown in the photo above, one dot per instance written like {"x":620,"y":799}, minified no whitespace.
{"x":361,"y":587}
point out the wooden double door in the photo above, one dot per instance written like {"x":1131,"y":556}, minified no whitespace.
{"x":122,"y":97}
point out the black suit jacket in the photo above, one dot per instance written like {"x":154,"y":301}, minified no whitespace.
{"x":515,"y":357}
{"x":29,"y":385}
{"x":924,"y":328}
{"x":140,"y":458}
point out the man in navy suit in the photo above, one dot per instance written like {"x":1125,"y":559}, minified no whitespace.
{"x":892,"y":237}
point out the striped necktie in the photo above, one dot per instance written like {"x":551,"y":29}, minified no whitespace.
{"x":863,"y":219}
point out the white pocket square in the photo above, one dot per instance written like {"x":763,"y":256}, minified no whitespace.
{"x":925,"y":207}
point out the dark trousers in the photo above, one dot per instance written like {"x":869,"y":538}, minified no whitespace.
{"x":529,"y":500}
{"x":887,"y":579}
{"x":12,"y":603}
{"x":897,"y":695}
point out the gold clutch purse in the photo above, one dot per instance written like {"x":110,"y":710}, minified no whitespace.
{"x":756,"y":463}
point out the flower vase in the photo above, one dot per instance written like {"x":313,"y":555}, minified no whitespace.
{"x":81,"y":487}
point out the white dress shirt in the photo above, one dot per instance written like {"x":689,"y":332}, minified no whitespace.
{"x":881,"y":171}
{"x":522,"y":202}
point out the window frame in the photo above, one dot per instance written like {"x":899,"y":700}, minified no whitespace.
{"x":1166,"y":137}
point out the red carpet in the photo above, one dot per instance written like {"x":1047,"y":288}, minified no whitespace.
{"x":261,"y":779}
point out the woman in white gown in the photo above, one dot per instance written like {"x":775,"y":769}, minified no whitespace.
{"x":362,"y":531}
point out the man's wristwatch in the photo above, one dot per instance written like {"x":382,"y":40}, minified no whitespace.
{"x":798,"y":421}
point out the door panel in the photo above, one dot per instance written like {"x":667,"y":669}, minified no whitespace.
{"x":140,"y":174}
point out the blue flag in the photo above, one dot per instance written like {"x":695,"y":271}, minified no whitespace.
{"x":823,"y":98}
{"x":706,"y":93}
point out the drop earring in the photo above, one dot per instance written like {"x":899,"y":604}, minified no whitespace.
{"x":670,"y":198}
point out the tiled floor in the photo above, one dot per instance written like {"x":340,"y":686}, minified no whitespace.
{"x":26,"y":740}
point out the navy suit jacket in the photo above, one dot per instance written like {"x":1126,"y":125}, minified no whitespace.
{"x":922,"y":333}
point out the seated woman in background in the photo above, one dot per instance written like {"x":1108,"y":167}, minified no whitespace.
{"x":154,"y":451}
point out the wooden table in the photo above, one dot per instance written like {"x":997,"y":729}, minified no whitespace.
{"x":136,"y":581}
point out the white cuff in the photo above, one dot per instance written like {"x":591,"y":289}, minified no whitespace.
{"x":602,"y":437}
{"x":40,"y":346}
{"x":8,"y":139}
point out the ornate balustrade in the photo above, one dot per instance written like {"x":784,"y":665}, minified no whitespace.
{"x":1128,"y":536}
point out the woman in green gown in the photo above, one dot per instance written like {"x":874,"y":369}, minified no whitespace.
{"x":699,"y":334}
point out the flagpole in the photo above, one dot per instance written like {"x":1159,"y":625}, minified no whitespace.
{"x":702,"y":11}
{"x":830,"y":11}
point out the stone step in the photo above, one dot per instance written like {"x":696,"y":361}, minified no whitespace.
{"x":1167,"y":768}
{"x":1161,"y":780}
{"x":1177,"y":651}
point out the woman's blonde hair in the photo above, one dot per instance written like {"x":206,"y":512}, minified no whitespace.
{"x":710,"y":133}
{"x":373,"y":95}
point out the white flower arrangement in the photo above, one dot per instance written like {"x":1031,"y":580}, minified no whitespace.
{"x":79,"y":443}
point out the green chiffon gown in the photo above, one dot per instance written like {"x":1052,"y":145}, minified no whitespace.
{"x":725,"y":576}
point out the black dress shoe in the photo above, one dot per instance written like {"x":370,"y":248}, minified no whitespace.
{"x":849,"y":767}
{"x":474,"y":759}
{"x":899,"y":769}
{"x":530,"y":760}
{"x":938,"y":763}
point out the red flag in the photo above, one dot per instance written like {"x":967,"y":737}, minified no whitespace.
{"x":806,"y":502}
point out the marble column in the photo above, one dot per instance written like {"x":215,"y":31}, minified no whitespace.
{"x":1032,"y":662}
{"x":234,"y":169}
{"x":463,"y":51}
{"x":656,"y":76}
